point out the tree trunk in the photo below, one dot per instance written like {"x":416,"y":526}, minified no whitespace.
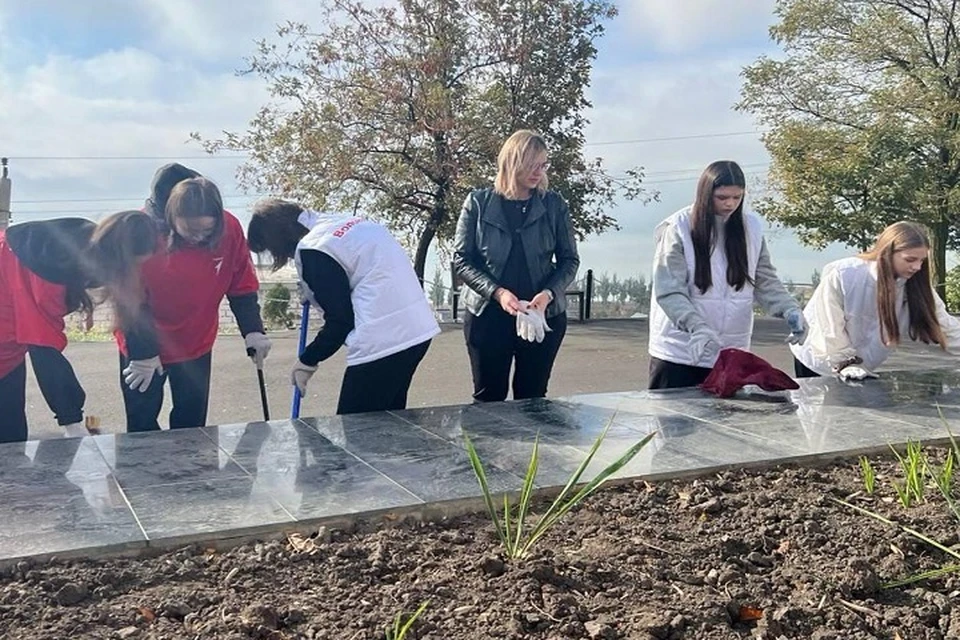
{"x":423,"y":247}
{"x":941,"y":234}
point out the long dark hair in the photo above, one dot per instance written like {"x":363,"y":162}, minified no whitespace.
{"x":119,"y":244}
{"x":918,"y":290}
{"x":274,"y":228}
{"x":723,"y":173}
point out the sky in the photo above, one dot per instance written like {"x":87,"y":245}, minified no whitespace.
{"x":95,"y":96}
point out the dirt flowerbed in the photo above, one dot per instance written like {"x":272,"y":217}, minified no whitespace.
{"x":740,"y":554}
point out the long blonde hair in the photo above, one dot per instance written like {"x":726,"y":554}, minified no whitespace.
{"x":918,"y":290}
{"x":517,"y":155}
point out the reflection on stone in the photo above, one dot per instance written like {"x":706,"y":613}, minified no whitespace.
{"x":118,"y":491}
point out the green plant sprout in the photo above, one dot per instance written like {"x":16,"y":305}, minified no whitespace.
{"x":868,"y":475}
{"x":510,"y":528}
{"x":914,"y":467}
{"x":914,"y":464}
{"x":398,"y":630}
{"x":944,"y":476}
{"x":925,"y":575}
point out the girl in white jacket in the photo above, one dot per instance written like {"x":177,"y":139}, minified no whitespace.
{"x":865,"y":305}
{"x":710,"y":267}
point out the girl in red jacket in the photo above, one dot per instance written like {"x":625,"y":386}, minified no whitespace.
{"x":46,"y":271}
{"x":201,"y":257}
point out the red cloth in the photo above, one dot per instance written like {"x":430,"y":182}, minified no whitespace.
{"x":735,"y":369}
{"x":31,"y":311}
{"x":185,"y":287}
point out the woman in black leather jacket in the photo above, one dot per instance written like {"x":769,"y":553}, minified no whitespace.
{"x":516,"y":253}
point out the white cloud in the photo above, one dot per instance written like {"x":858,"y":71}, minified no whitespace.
{"x":127,"y":103}
{"x":144,"y":98}
{"x":687,"y":25}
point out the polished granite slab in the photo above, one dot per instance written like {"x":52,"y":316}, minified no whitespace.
{"x":120,"y":493}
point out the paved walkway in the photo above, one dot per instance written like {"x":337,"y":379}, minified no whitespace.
{"x":124,"y":493}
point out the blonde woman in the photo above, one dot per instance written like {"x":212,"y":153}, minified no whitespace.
{"x":865,"y":305}
{"x":516,"y":253}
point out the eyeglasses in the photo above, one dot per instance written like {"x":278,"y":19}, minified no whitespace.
{"x":543,"y":166}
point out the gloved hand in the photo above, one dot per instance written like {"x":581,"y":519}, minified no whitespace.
{"x":855,"y":372}
{"x":538,"y":320}
{"x":301,"y":375}
{"x":531,"y":324}
{"x":524,"y":326}
{"x":75,"y":430}
{"x":704,"y":345}
{"x":798,"y":326}
{"x":258,"y":346}
{"x":139,"y":373}
{"x":303,"y":293}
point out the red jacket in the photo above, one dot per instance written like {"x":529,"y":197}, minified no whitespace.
{"x":184,"y":289}
{"x":31,"y":310}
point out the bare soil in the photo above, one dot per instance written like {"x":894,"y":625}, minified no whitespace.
{"x":677,"y":559}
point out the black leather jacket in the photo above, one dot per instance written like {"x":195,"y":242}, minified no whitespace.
{"x":484,"y":239}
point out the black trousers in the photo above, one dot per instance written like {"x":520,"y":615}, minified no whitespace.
{"x":380,"y":385}
{"x":671,"y":375}
{"x":493,"y":346}
{"x":189,"y":389}
{"x":801,"y":370}
{"x":58,"y":384}
{"x":13,"y":400}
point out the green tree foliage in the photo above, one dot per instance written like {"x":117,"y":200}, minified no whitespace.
{"x":398,"y":111}
{"x":276,"y":306}
{"x":863,"y":113}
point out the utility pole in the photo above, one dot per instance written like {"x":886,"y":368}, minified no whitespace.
{"x":5,"y":187}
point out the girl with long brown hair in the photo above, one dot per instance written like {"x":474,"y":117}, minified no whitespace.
{"x":202,"y":257}
{"x":866,"y":305}
{"x":47,"y":271}
{"x":711,"y":266}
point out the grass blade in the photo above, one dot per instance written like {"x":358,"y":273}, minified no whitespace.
{"x":926,"y":575}
{"x":559,"y":509}
{"x":527,"y":492}
{"x":484,"y":487}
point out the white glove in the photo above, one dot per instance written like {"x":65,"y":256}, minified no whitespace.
{"x":258,"y":346}
{"x":302,"y":291}
{"x":855,"y":372}
{"x":704,"y":345}
{"x":539,"y":323}
{"x":524,"y":325}
{"x":75,"y":430}
{"x":531,"y":324}
{"x":301,"y":375}
{"x":139,"y":373}
{"x":798,"y":327}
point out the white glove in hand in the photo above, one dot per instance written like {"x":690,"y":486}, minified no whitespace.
{"x":539,"y":322}
{"x":258,"y":346}
{"x":704,"y":345}
{"x":301,"y":375}
{"x":75,"y":430}
{"x":139,"y":373}
{"x":524,"y":326}
{"x":303,"y":293}
{"x":855,"y":372}
{"x":531,"y":324}
{"x":798,"y":327}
